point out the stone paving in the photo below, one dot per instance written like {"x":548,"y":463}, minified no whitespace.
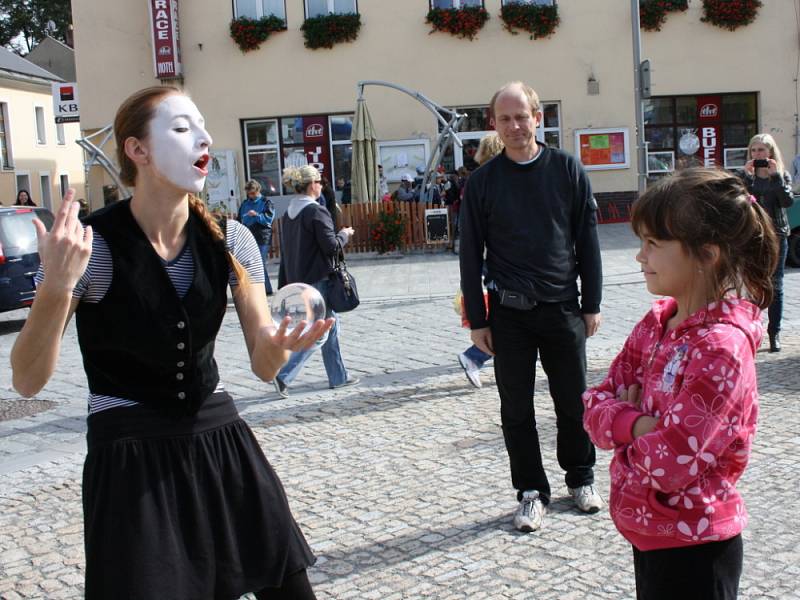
{"x":401,"y":484}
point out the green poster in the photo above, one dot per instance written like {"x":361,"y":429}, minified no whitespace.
{"x":599,"y":142}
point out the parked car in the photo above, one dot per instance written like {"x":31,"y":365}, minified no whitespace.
{"x":793,"y":257}
{"x":19,"y":256}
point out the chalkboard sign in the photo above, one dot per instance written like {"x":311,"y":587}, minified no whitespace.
{"x":437,"y":226}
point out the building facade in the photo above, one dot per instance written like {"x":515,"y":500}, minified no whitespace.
{"x":285,"y":104}
{"x":36,"y":154}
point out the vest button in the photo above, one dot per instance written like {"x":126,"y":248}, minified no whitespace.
{"x":181,"y":345}
{"x":181,"y":363}
{"x":179,"y":376}
{"x":181,"y":395}
{"x":181,"y":324}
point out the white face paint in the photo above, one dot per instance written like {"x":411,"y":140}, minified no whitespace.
{"x":179,"y":143}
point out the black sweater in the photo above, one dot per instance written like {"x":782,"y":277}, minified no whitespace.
{"x":538,"y":225}
{"x":775,"y":196}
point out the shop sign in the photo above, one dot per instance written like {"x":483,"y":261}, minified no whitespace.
{"x":708,"y":116}
{"x":315,"y":130}
{"x":317,"y":144}
{"x":65,"y":102}
{"x":166,"y":47}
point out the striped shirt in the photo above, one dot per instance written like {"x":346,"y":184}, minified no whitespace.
{"x":96,"y":281}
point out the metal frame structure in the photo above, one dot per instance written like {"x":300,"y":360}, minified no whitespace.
{"x":449,"y":131}
{"x":96,"y":156}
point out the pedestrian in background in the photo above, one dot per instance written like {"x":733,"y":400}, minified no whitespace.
{"x":532,"y":208}
{"x":473,"y":358}
{"x":257,"y":213}
{"x":178,"y":498}
{"x":328,"y":200}
{"x":767,"y":180}
{"x":308,"y":246}
{"x":24,"y":199}
{"x":680,"y":403}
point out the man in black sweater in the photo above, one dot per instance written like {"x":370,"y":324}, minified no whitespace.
{"x":531,"y":209}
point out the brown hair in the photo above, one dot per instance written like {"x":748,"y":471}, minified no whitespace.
{"x":700,"y":206}
{"x":133,"y":120}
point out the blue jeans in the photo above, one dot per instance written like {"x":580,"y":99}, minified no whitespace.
{"x":331,"y":354}
{"x":264,"y":250}
{"x":775,"y":310}
{"x":477,"y":355}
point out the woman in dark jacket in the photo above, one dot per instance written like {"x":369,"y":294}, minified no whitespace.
{"x":767,"y":180}
{"x":308,"y":246}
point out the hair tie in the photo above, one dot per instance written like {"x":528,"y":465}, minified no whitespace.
{"x":752,"y":199}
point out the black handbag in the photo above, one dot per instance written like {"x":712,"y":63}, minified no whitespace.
{"x":342,"y":293}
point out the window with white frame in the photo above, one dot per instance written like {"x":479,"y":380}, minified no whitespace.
{"x":263,"y":161}
{"x":455,"y":3}
{"x":63,"y":181}
{"x":60,"y":139}
{"x":44,"y":182}
{"x":41,"y":136}
{"x":341,"y":147}
{"x":320,"y":8}
{"x":536,"y":2}
{"x":255,"y":9}
{"x":5,"y":138}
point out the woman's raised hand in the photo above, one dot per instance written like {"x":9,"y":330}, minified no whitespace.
{"x":66,"y":248}
{"x":301,"y":337}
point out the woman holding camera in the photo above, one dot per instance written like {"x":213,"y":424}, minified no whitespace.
{"x":767,"y":180}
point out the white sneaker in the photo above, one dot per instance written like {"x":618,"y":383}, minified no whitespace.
{"x":530,"y":512}
{"x":586,"y":498}
{"x":472,"y":370}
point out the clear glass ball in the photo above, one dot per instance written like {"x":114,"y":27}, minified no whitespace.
{"x":300,"y":301}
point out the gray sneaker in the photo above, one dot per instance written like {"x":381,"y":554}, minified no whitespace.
{"x":586,"y":498}
{"x":281,"y":388}
{"x":530,"y":512}
{"x":472,"y":370}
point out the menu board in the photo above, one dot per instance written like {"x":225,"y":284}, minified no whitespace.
{"x":603,"y":148}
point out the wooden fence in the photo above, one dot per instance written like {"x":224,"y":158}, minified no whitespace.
{"x":361,"y":217}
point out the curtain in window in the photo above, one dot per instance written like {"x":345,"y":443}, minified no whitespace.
{"x":274,"y":7}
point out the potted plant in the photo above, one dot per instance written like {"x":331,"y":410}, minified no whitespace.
{"x":250,"y":33}
{"x":387,"y":229}
{"x":730,"y":14}
{"x":653,"y":13}
{"x":538,"y":20}
{"x":463,"y":22}
{"x":327,"y":30}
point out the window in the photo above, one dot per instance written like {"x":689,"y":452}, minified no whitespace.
{"x":5,"y":151}
{"x":455,"y":3}
{"x":60,"y":140}
{"x":41,"y":137}
{"x":320,"y":8}
{"x":537,"y":2}
{"x":44,"y":182}
{"x":341,"y":146}
{"x":263,"y":164}
{"x":24,"y":183}
{"x":64,"y":182}
{"x":255,"y":9}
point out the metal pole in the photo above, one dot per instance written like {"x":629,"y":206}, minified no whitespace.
{"x":641,"y":151}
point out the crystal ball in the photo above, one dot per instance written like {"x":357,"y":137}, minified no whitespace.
{"x":300,"y":301}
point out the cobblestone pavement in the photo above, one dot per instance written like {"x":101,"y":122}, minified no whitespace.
{"x":401,"y":484}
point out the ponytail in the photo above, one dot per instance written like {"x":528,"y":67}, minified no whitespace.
{"x":198,"y":207}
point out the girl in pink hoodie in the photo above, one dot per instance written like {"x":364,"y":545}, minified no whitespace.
{"x":680,"y":402}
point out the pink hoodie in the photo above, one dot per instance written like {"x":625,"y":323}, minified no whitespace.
{"x":675,"y":486}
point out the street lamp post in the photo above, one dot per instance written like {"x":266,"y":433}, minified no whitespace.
{"x":641,"y":148}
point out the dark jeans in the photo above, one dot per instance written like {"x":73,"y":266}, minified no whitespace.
{"x":775,"y":310}
{"x":556,"y":333}
{"x":264,"y":250}
{"x":703,"y":572}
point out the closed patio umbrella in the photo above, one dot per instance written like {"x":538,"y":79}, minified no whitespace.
{"x":364,"y":169}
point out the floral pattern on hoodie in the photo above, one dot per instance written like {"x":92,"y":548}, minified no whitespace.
{"x":675,"y":486}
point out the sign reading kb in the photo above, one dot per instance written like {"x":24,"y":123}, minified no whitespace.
{"x":65,"y":102}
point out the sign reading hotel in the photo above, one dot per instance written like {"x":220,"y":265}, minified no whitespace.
{"x":65,"y":102}
{"x":601,"y":149}
{"x":166,"y":48}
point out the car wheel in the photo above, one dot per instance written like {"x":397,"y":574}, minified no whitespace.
{"x":793,"y":256}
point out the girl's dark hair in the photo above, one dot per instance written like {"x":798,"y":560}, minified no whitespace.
{"x":19,"y":193}
{"x":133,"y":120}
{"x":700,"y":206}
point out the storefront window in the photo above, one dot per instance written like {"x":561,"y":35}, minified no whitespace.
{"x":341,"y":128}
{"x":738,"y":135}
{"x":261,"y":133}
{"x":739,"y":107}
{"x":659,"y":138}
{"x":342,"y":161}
{"x":686,"y":109}
{"x":262,"y":154}
{"x":658,"y":111}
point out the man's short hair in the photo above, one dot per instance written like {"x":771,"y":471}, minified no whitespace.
{"x":527,"y":91}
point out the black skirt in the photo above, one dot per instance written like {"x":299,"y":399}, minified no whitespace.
{"x":185,"y":509}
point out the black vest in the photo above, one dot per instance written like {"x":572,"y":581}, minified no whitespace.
{"x":142,"y":341}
